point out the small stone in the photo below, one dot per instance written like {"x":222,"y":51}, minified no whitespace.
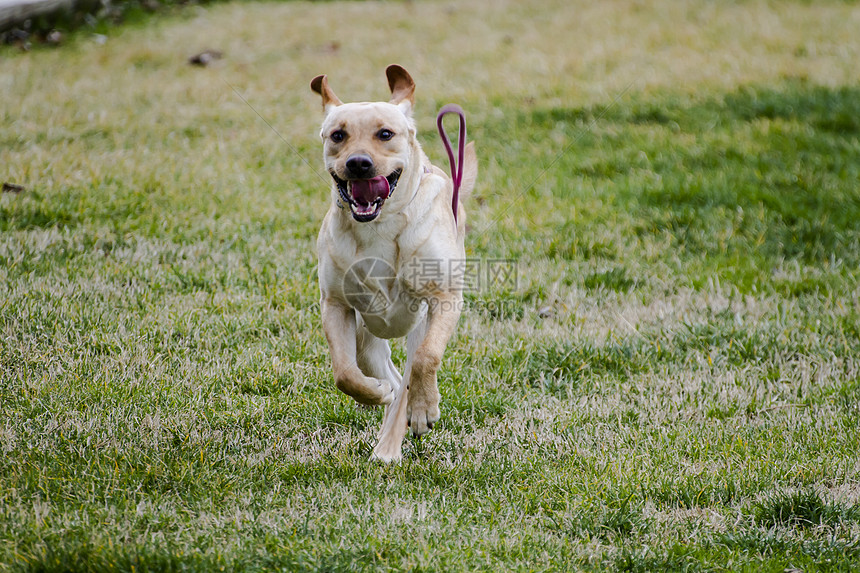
{"x":54,"y":38}
{"x":205,"y":58}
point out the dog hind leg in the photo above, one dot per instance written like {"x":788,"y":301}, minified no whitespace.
{"x":394,"y":421}
{"x":374,"y":356}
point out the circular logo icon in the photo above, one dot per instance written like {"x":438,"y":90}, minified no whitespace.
{"x":368,"y":285}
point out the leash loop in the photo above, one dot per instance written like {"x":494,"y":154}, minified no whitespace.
{"x":456,"y":166}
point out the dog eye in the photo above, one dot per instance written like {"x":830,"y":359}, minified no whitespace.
{"x":385,"y":134}
{"x":338,"y":136}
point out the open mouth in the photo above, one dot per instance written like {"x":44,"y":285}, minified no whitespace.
{"x":366,"y":196}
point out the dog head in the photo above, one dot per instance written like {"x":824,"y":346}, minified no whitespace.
{"x":367,"y":147}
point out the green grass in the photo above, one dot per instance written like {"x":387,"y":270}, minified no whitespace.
{"x":671,"y":383}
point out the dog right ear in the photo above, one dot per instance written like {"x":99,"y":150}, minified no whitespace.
{"x":329,"y":100}
{"x":402,"y":88}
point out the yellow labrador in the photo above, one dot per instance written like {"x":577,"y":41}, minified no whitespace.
{"x":391,"y":257}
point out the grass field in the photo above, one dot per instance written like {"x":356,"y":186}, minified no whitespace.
{"x":671,"y":382}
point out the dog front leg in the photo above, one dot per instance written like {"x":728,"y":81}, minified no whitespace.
{"x":340,"y":330}
{"x":417,"y":402}
{"x":422,"y":410}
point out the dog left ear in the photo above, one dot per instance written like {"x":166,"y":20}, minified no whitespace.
{"x":402,"y":88}
{"x":329,"y":99}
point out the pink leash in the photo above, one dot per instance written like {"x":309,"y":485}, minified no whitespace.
{"x":456,"y":166}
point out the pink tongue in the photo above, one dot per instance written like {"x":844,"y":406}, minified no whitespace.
{"x":367,"y":191}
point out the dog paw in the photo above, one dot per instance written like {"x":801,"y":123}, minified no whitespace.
{"x":369,"y":391}
{"x":378,"y":392}
{"x":388,"y":391}
{"x":422,"y":413}
{"x":386,"y":455}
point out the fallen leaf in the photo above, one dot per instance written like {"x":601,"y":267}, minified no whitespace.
{"x":12,"y":188}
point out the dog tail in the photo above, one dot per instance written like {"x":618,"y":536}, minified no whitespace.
{"x":470,"y":171}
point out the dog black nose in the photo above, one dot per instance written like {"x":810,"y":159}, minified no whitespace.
{"x":359,"y":165}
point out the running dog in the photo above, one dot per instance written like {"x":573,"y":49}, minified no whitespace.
{"x":391,"y":257}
